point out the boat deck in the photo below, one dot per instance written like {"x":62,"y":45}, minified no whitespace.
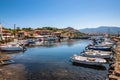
{"x":88,"y":59}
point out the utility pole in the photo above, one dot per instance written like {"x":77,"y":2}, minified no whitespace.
{"x":14,"y":30}
{"x":118,"y":33}
{"x":109,"y":32}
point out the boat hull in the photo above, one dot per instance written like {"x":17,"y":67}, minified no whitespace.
{"x":87,"y":60}
{"x":97,"y":67}
{"x":6,"y":62}
{"x":98,"y":56}
{"x":11,"y":49}
{"x":100,"y":48}
{"x":86,"y":63}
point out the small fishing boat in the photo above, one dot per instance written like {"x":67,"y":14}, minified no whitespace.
{"x":104,"y":48}
{"x":5,"y":60}
{"x":87,"y":60}
{"x":108,"y":44}
{"x":90,"y":50}
{"x":38,"y":43}
{"x":96,"y":53}
{"x":12,"y":47}
{"x":30,"y":42}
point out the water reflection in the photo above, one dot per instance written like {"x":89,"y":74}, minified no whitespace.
{"x":50,"y":44}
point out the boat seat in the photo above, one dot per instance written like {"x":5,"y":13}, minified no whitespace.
{"x":91,"y":59}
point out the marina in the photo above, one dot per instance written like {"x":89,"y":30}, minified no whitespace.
{"x":60,"y":40}
{"x":53,"y":62}
{"x":66,"y":55}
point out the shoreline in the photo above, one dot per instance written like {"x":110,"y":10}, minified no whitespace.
{"x":114,"y":70}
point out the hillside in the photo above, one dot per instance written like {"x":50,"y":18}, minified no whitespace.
{"x":70,"y":29}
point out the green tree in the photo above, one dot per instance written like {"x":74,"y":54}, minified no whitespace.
{"x":27,"y":29}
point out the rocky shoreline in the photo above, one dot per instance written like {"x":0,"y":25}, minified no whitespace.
{"x":114,"y":70}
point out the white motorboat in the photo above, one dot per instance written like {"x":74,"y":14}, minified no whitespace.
{"x":87,"y":60}
{"x":38,"y":43}
{"x":12,"y":47}
{"x":103,"y":48}
{"x":105,"y":43}
{"x":96,"y":53}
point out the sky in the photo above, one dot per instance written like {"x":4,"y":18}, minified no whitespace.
{"x":78,"y":14}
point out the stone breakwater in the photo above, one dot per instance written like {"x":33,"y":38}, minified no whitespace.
{"x":114,"y":70}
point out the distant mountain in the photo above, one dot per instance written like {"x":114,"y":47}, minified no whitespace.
{"x":101,"y":29}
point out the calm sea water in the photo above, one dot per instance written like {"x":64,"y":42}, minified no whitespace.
{"x":52,"y":62}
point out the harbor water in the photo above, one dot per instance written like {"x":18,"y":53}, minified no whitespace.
{"x":52,"y":62}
